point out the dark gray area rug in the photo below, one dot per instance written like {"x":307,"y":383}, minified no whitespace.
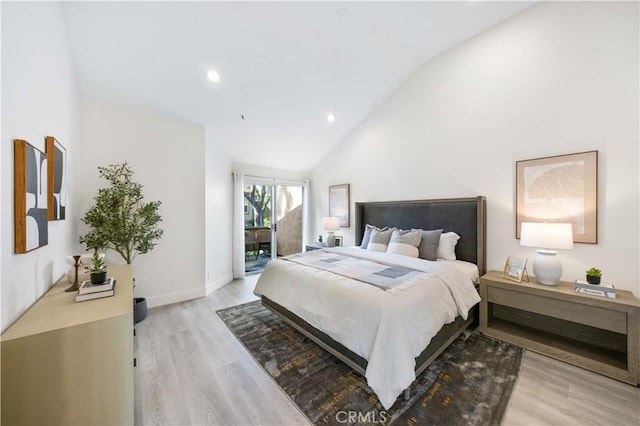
{"x":468,"y":384}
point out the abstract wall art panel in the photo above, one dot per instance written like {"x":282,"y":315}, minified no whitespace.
{"x":563,"y":188}
{"x":30,"y":197}
{"x":57,"y":178}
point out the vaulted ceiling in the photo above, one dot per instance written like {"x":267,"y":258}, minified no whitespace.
{"x":283,"y":66}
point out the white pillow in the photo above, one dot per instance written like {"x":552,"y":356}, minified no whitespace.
{"x":405,"y":242}
{"x":447,"y":246}
{"x":379,"y":240}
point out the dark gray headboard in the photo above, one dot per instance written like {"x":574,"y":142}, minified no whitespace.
{"x":464,"y":216}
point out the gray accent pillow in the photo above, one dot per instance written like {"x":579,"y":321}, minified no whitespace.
{"x":405,"y":242}
{"x":367,"y":234}
{"x":379,"y":240}
{"x":428,"y":247}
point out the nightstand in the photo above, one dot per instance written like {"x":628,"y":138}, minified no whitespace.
{"x":315,"y":246}
{"x":592,"y":332}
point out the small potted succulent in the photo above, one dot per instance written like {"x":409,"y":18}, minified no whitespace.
{"x":594,"y":275}
{"x":97,"y":269}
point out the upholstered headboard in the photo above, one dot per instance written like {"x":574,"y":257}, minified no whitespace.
{"x":464,"y":216}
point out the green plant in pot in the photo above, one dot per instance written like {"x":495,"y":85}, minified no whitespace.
{"x":594,"y":275}
{"x":120,"y":219}
{"x":97,"y":269}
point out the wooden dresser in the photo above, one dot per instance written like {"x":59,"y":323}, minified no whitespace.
{"x":71,"y":363}
{"x":593,"y":332}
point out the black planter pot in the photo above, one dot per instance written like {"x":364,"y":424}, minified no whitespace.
{"x":139,"y":309}
{"x":593,"y":280}
{"x":98,"y":277}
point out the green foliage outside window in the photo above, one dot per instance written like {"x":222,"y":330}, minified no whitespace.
{"x":259,"y":197}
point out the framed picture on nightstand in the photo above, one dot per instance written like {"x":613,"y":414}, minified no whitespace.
{"x":515,"y":269}
{"x":338,"y":241}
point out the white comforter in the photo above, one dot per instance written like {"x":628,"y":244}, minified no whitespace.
{"x":387,"y":329}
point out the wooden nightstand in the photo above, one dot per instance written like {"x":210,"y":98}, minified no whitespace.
{"x":315,"y":246}
{"x":593,"y":332}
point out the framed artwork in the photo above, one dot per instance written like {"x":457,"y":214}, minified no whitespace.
{"x":562,"y":189}
{"x":30,"y":197}
{"x":57,"y":178}
{"x":337,"y":241}
{"x":339,"y":203}
{"x":515,"y":269}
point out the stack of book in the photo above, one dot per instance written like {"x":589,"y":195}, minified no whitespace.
{"x":603,"y":290}
{"x":90,"y":291}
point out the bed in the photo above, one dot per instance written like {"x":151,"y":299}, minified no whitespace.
{"x":387,"y":336}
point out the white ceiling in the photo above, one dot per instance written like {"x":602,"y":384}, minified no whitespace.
{"x":284,"y":66}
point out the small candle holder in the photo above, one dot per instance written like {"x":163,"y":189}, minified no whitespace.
{"x":75,"y":286}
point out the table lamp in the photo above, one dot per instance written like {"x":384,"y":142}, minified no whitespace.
{"x":331,"y":224}
{"x":547,"y":266}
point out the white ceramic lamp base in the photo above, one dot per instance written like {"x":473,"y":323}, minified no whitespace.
{"x":547,"y":267}
{"x":331,"y":239}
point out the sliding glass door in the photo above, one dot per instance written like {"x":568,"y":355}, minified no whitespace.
{"x":272,"y":223}
{"x":288,"y":204}
{"x":258,"y":208}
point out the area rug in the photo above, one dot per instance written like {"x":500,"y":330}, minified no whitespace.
{"x":256,"y":265}
{"x":468,"y":384}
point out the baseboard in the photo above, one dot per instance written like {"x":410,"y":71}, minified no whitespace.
{"x":194,"y":293}
{"x":179,"y":296}
{"x":218,"y":283}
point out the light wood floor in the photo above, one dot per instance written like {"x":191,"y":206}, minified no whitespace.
{"x":192,"y":371}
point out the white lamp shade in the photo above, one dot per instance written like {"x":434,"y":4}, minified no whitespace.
{"x":331,"y":224}
{"x":547,"y":235}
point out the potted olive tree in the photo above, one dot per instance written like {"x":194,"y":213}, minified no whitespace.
{"x":120,"y":220}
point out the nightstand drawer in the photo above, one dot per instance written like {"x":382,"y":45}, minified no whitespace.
{"x":593,"y":316}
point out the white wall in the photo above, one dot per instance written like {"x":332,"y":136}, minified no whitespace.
{"x":168,"y":158}
{"x":219,"y":214}
{"x":39,"y":99}
{"x":558,"y":78}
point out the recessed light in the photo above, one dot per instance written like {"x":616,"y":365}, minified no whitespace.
{"x":213,"y":76}
{"x":331,"y":118}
